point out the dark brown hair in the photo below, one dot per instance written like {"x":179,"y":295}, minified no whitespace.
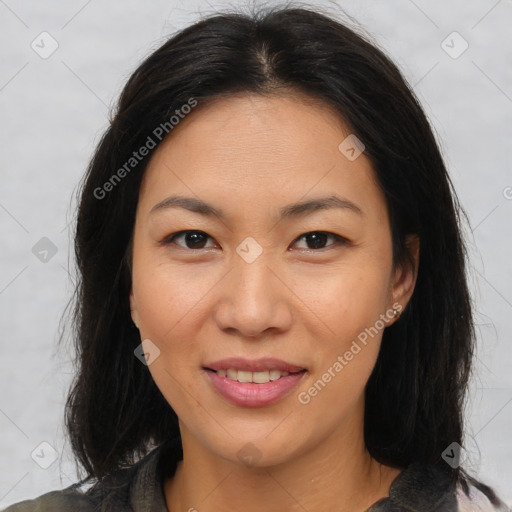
{"x":415,"y":395}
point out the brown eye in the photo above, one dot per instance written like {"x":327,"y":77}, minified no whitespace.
{"x":318,"y":239}
{"x":192,"y":239}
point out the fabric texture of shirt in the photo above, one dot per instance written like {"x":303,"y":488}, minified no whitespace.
{"x":418,"y":488}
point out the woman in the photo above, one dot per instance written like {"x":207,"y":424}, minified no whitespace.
{"x":273,"y":310}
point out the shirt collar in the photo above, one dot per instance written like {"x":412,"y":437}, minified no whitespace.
{"x":147,"y":489}
{"x":419,"y":487}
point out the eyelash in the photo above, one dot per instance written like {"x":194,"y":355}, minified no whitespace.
{"x":338,"y":239}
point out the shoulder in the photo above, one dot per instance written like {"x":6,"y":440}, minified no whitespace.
{"x":113,"y":489}
{"x":57,"y":501}
{"x":422,"y":487}
{"x":135,"y":484}
{"x":474,"y":496}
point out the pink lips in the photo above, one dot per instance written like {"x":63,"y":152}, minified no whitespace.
{"x":250,"y":394}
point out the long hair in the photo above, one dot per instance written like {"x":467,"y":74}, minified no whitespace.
{"x":415,"y":395}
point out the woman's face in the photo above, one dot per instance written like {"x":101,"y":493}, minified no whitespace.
{"x":253,"y":275}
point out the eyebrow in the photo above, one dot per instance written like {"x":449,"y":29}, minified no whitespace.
{"x":292,"y":210}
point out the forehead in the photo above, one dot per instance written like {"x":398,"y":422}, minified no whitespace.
{"x":252,"y":148}
{"x":284,"y":126}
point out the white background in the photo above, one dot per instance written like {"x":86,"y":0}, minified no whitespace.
{"x":54,"y":110}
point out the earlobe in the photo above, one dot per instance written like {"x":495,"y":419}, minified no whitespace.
{"x":133,"y":309}
{"x":405,"y":276}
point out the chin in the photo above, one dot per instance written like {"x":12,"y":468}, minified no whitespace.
{"x":257,"y":451}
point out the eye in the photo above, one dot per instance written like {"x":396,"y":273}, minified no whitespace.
{"x":318,"y":238}
{"x":193,"y":239}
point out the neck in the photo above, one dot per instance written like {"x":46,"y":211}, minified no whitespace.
{"x":339,"y":474}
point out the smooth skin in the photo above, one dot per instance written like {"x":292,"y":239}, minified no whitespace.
{"x":304,"y":300}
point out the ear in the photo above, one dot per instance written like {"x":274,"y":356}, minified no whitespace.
{"x":133,"y":309}
{"x":404,"y":278}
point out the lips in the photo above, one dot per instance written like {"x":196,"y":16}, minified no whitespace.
{"x":248,"y":383}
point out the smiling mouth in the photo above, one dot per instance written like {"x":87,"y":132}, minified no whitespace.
{"x":261,"y":377}
{"x":253,"y":382}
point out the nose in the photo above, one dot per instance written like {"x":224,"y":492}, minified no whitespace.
{"x":253,"y":301}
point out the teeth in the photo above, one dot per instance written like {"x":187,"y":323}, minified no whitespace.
{"x":259,"y":377}
{"x":244,"y":376}
{"x":275,"y":374}
{"x":256,"y":377}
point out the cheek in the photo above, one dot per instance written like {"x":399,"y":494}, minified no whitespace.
{"x":350,"y":305}
{"x":168,"y":299}
{"x":169,"y":305}
{"x":349,"y":300}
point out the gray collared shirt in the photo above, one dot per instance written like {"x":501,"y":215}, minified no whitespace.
{"x":419,"y":488}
